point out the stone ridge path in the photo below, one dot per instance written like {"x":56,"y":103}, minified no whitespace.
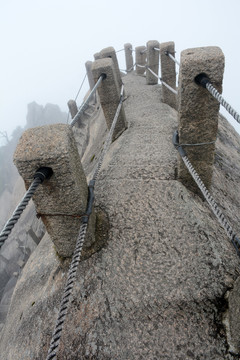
{"x":155,"y":291}
{"x":146,"y":147}
{"x":164,"y":270}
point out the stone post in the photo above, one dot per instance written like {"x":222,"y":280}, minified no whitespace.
{"x":88,"y":66}
{"x":109,"y":52}
{"x":152,"y":62}
{"x":97,"y":56}
{"x":128,"y":57}
{"x":61,"y":200}
{"x":140,"y":59}
{"x":198,"y":111}
{"x":168,"y":73}
{"x":109,"y":93}
{"x":73,"y":109}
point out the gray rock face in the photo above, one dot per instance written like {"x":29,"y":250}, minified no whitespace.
{"x":156,"y":289}
{"x":29,"y":231}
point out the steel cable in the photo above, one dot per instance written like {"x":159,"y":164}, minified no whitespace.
{"x":85,"y":103}
{"x":131,"y":68}
{"x":18,"y":211}
{"x":80,"y":87}
{"x":163,"y":82}
{"x":223,"y":102}
{"x":72,"y":273}
{"x":39,"y":177}
{"x":208,"y":197}
{"x":172,"y":57}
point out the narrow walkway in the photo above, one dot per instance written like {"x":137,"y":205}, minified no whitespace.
{"x":164,"y":268}
{"x":156,"y":290}
{"x":145,"y":150}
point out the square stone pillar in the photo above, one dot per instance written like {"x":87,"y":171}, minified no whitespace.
{"x":60,"y":201}
{"x":97,"y":56}
{"x":168,"y":73}
{"x":198,"y":111}
{"x":141,"y":59}
{"x":128,"y":57}
{"x":109,"y":93}
{"x":152,"y":62}
{"x":109,"y":52}
{"x":73,"y":109}
{"x":88,"y":66}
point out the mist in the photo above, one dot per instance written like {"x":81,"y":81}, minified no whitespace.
{"x":45,"y":44}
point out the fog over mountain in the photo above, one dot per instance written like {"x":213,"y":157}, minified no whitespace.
{"x":24,"y":238}
{"x":45,"y":44}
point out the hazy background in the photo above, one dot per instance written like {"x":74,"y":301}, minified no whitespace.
{"x":45,"y":43}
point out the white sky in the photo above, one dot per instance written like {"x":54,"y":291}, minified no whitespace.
{"x":45,"y":43}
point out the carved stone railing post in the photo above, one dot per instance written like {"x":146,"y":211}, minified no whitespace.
{"x":198,"y":111}
{"x":128,"y":57}
{"x":168,"y":73}
{"x":109,"y":52}
{"x":73,"y":109}
{"x":109,"y":93}
{"x":60,"y":201}
{"x":141,"y":59}
{"x":88,"y":66}
{"x":152,"y":62}
{"x":97,"y":56}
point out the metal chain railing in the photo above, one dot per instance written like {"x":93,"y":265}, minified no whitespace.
{"x":213,"y":205}
{"x":86,"y":102}
{"x":39,"y":177}
{"x":204,"y":81}
{"x":55,"y":341}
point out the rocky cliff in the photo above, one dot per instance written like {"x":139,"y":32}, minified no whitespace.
{"x":24,"y":238}
{"x":157,"y":287}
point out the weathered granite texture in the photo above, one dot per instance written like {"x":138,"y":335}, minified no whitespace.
{"x":62,"y":199}
{"x":198,"y":110}
{"x":152,"y":61}
{"x":88,"y":66}
{"x":128,"y":57}
{"x":110,"y":52}
{"x":73,"y":109}
{"x":156,"y":290}
{"x":109,"y":92}
{"x":141,"y":59}
{"x":168,"y":73}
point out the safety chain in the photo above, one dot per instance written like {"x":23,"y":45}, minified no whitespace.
{"x":55,"y":341}
{"x":163,"y":82}
{"x":84,"y":105}
{"x":204,"y":81}
{"x":39,"y":177}
{"x":213,"y":205}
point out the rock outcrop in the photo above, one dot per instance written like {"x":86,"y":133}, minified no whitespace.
{"x":25,"y":237}
{"x":156,"y":288}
